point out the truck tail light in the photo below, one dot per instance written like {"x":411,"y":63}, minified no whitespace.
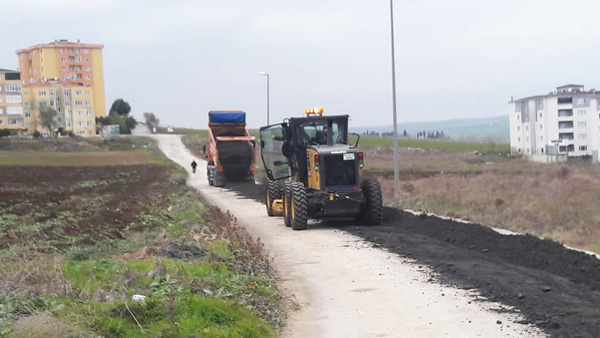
{"x":360,"y":160}
{"x":316,"y":158}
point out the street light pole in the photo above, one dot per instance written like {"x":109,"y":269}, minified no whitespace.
{"x":396,"y":168}
{"x":267,"y":75}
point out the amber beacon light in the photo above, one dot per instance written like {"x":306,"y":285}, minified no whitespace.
{"x":314,"y":111}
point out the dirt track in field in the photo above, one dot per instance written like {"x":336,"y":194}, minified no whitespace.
{"x":554,"y":288}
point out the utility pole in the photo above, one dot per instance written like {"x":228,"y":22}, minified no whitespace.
{"x":396,"y":159}
{"x":267,"y":75}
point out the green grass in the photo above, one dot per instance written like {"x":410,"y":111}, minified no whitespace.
{"x":372,"y":142}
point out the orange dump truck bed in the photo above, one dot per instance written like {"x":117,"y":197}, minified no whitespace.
{"x":230,"y":147}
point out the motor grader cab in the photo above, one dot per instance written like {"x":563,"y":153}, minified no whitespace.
{"x":314,"y":173}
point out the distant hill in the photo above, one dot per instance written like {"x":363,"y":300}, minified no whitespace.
{"x":479,"y":129}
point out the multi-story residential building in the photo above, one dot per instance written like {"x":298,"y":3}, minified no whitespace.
{"x":565,"y":123}
{"x":11,"y":100}
{"x":73,"y":63}
{"x":73,"y":104}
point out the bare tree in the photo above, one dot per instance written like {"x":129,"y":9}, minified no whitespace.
{"x":48,"y":118}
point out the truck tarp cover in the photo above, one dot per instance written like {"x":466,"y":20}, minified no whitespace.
{"x":227,"y":117}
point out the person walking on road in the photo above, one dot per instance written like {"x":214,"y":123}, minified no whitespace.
{"x":194,"y":165}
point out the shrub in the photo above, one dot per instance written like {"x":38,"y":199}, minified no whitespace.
{"x":4,"y":132}
{"x":36,"y":134}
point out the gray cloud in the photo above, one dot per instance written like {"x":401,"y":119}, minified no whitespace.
{"x":461,"y":58}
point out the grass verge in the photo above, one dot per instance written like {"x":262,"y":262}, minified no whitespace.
{"x":126,"y":252}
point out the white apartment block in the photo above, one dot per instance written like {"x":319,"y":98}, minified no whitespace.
{"x":564,"y":123}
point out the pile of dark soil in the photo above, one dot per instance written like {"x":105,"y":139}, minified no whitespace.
{"x":552,"y":287}
{"x":555,"y":288}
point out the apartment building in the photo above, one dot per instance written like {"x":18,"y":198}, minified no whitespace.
{"x":564,"y":123}
{"x":72,"y":102}
{"x":11,"y":100}
{"x":73,"y":63}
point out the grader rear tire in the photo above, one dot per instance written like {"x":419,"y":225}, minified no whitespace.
{"x":299,"y":203}
{"x":372,"y":208}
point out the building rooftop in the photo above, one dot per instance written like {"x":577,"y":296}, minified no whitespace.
{"x":2,"y":70}
{"x":570,"y":86}
{"x":63,"y":43}
{"x":568,"y":89}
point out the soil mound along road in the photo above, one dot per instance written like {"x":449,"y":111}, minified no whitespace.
{"x":552,"y":287}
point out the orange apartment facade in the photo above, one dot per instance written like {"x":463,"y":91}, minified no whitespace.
{"x":11,"y":100}
{"x":72,"y":63}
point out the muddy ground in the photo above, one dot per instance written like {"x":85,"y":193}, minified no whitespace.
{"x":552,"y":287}
{"x":57,"y":207}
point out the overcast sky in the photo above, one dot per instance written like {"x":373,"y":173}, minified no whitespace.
{"x":455,"y":58}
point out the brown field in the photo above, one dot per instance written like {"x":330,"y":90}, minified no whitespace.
{"x":86,"y":225}
{"x":35,"y":158}
{"x":557,"y":201}
{"x":54,"y":208}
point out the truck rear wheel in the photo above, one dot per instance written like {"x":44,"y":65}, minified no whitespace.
{"x":287,"y":198}
{"x":372,"y":207}
{"x":273,"y":193}
{"x":299,"y":206}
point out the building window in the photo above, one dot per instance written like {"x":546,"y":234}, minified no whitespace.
{"x":582,"y":136}
{"x":66,"y":92}
{"x":28,"y":115}
{"x":79,"y":113}
{"x":517,"y":107}
{"x":565,"y":100}
{"x":67,"y":113}
{"x":27,"y":104}
{"x":87,"y":93}
{"x":26,"y":94}
{"x":79,"y":103}
{"x":582,"y":148}
{"x":87,"y":59}
{"x":63,"y":60}
{"x":64,"y":77}
{"x":42,"y":93}
{"x":518,"y":128}
{"x":69,"y":124}
{"x":67,"y":103}
{"x":1,"y":122}
{"x":519,"y":139}
{"x":562,"y":149}
{"x":78,"y":92}
{"x":80,"y":124}
{"x":88,"y":77}
{"x":14,"y":110}
{"x":43,"y":104}
{"x":541,"y":126}
{"x":64,"y":68}
{"x":581,"y":112}
{"x":89,"y":123}
{"x":87,"y":69}
{"x":13,"y":88}
{"x":541,"y":138}
{"x":581,"y":124}
{"x":14,"y":99}
{"x":526,"y":128}
{"x":540,"y":115}
{"x":565,"y":112}
{"x":52,"y":92}
{"x":539,"y":104}
{"x":87,"y":103}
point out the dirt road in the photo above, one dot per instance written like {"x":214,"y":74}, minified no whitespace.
{"x":344,"y":287}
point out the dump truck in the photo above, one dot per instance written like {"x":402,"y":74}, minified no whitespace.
{"x":313,"y":172}
{"x":230,"y":153}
